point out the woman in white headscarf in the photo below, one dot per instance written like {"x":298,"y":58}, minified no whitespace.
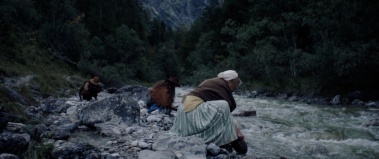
{"x":206,"y":112}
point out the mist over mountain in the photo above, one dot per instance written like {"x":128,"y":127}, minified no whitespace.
{"x":177,"y":12}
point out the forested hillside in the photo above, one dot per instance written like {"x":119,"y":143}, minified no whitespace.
{"x":316,"y":47}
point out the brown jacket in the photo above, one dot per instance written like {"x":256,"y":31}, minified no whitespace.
{"x":215,"y":89}
{"x":85,"y":90}
{"x":163,"y":93}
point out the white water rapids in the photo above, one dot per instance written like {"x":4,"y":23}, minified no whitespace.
{"x":299,"y":130}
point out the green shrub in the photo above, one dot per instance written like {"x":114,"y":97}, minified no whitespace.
{"x":36,"y":148}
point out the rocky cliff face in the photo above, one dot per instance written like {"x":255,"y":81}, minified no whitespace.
{"x":177,"y":12}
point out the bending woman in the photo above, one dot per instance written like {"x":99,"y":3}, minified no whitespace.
{"x":206,"y":112}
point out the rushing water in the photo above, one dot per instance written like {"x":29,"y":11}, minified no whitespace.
{"x":298,"y":130}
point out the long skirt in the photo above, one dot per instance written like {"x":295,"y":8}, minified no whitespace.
{"x":211,"y":121}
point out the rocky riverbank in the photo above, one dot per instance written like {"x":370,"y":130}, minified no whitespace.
{"x":115,"y":126}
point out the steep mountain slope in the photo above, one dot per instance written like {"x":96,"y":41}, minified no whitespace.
{"x":177,"y":12}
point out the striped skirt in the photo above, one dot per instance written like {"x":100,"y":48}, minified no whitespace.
{"x":211,"y":121}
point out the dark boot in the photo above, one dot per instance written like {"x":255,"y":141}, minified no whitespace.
{"x":240,"y":146}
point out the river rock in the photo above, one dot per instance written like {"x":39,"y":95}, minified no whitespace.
{"x":59,"y":133}
{"x":371,"y":105}
{"x":154,"y":118}
{"x":144,"y":154}
{"x":71,"y":150}
{"x":357,"y":102}
{"x":111,"y":129}
{"x":336,"y":100}
{"x":143,"y":145}
{"x":191,"y":147}
{"x":244,"y":113}
{"x":8,"y":156}
{"x":356,"y":95}
{"x":213,"y":149}
{"x":12,"y":143}
{"x":373,"y":122}
{"x":316,"y":150}
{"x":111,"y":90}
{"x":135,"y":91}
{"x":282,"y":96}
{"x":119,"y":109}
{"x":293,"y":98}
{"x":53,"y":105}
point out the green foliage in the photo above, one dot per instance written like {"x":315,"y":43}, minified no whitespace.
{"x":117,"y":59}
{"x":204,"y":54}
{"x":36,"y":149}
{"x":105,"y":17}
{"x":62,"y":31}
{"x":10,"y":106}
{"x":202,"y":73}
{"x":57,"y":84}
{"x":167,"y":59}
{"x":311,"y":46}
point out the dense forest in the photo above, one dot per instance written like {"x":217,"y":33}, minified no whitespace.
{"x":317,"y":47}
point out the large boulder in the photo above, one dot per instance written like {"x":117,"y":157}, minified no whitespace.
{"x":119,"y":109}
{"x":12,"y":143}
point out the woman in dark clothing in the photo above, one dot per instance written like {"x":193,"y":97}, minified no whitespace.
{"x":90,"y":89}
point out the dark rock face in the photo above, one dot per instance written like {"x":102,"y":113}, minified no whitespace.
{"x":76,"y":150}
{"x":3,"y":121}
{"x":11,"y":143}
{"x":119,"y":109}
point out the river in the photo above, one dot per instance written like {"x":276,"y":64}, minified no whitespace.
{"x":299,"y":130}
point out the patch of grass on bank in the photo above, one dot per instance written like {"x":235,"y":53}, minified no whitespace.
{"x":52,"y":76}
{"x":147,"y":84}
{"x":12,"y":107}
{"x":58,"y":85}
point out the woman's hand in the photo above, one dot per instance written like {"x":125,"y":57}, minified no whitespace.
{"x":239,"y":134}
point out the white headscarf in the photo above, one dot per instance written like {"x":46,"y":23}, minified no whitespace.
{"x":228,"y":75}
